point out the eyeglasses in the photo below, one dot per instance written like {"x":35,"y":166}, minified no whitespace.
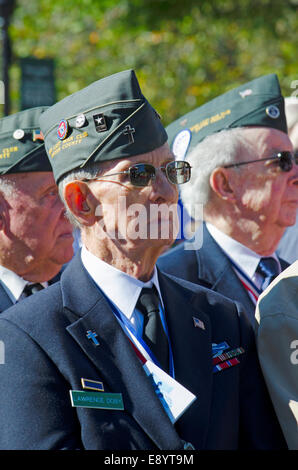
{"x":285,"y":160}
{"x":140,"y":174}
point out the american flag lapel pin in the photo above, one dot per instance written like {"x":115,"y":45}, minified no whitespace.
{"x":198,"y":323}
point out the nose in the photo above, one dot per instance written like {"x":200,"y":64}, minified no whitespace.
{"x":162,"y":191}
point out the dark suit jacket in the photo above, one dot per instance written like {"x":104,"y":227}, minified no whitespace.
{"x":5,"y":300}
{"x":209,"y":266}
{"x":47,"y":353}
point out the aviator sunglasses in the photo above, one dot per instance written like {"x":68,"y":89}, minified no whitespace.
{"x":284,"y":159}
{"x":140,"y":174}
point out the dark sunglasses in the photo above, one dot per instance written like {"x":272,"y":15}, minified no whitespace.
{"x":285,"y":160}
{"x":140,"y":174}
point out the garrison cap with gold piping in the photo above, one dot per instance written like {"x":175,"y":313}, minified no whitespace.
{"x":22,"y":147}
{"x":256,"y":103}
{"x":108,"y":120}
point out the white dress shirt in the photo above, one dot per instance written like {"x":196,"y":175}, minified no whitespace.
{"x":246,"y":259}
{"x":14,"y":284}
{"x":120,"y":288}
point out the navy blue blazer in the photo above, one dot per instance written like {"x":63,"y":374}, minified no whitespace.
{"x":210,"y":267}
{"x":47,"y":352}
{"x":5,"y":300}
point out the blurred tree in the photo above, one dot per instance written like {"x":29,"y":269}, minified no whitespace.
{"x":184,"y":52}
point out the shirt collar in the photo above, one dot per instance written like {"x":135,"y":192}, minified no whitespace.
{"x":120,"y":288}
{"x":246,"y":259}
{"x":14,"y":284}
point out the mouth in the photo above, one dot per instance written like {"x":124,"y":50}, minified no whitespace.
{"x":66,"y":235}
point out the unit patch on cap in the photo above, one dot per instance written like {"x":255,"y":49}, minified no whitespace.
{"x":62,"y":130}
{"x":273,"y":111}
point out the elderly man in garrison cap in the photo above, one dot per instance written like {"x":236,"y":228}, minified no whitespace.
{"x":245,"y":176}
{"x":117,"y":355}
{"x":277,"y":321}
{"x":35,"y":237}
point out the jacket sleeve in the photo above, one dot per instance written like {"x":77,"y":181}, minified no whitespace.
{"x":34,"y":397}
{"x":259,"y":426}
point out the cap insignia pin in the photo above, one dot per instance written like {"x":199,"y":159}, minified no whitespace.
{"x":273,"y":111}
{"x":37,"y":135}
{"x":80,"y":120}
{"x":129,"y":131}
{"x":18,"y":134}
{"x":245,"y":93}
{"x":100,"y":122}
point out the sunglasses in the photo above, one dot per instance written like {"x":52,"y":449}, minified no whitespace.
{"x":140,"y":174}
{"x":284,"y":159}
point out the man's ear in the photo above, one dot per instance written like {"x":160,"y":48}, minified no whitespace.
{"x":4,"y":217}
{"x":221,"y":184}
{"x":79,"y":200}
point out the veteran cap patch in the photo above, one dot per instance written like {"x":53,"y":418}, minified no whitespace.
{"x":256,"y":103}
{"x":108,"y":120}
{"x":22,"y":147}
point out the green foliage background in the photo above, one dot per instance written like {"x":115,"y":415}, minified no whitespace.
{"x":184,"y":52}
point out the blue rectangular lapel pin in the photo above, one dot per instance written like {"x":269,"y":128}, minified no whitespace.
{"x":88,"y":384}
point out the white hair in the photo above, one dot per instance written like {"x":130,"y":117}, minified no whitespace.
{"x":7,"y":186}
{"x":89,"y":172}
{"x":216,"y":150}
{"x":291,"y":111}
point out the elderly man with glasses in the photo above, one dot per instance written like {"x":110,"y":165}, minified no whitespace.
{"x":117,"y":355}
{"x":245,"y":175}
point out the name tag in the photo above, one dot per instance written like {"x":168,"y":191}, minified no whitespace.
{"x":104,"y":401}
{"x":174,"y":397}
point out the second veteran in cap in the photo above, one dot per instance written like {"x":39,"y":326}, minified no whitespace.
{"x":245,"y":176}
{"x":35,"y":237}
{"x":117,"y":354}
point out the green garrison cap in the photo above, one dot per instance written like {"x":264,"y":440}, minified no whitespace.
{"x":108,"y":120}
{"x":22,"y":147}
{"x":256,"y":103}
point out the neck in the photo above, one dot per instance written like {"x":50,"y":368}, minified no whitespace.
{"x":263,"y":241}
{"x":138,"y":263}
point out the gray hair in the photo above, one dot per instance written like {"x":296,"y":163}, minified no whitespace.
{"x":89,"y":172}
{"x":214,"y":151}
{"x":291,"y":110}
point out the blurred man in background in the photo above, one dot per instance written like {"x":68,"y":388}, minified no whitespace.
{"x":288,"y":247}
{"x":245,"y":175}
{"x":35,"y":237}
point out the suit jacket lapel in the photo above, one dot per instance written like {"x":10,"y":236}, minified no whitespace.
{"x":5,"y":300}
{"x":215,"y":267}
{"x":115,"y":358}
{"x":192,"y":357}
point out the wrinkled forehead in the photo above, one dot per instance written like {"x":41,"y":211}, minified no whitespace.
{"x":263,"y":139}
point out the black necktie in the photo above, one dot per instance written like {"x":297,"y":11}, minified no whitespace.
{"x":32,"y":289}
{"x":153,"y":332}
{"x":269,"y":269}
